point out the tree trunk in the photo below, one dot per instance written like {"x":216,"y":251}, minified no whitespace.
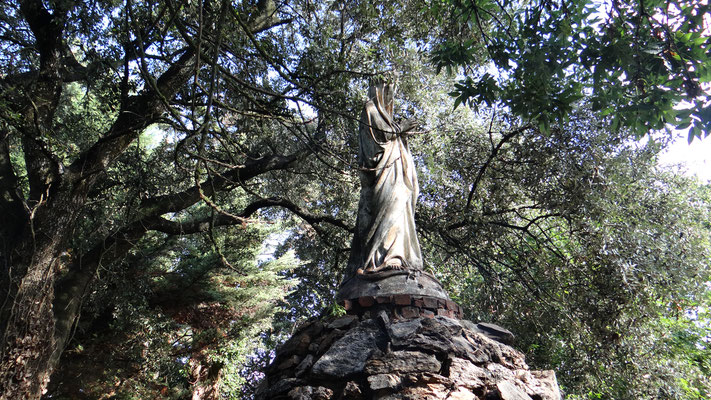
{"x":35,"y":230}
{"x":28,"y":340}
{"x":205,"y":379}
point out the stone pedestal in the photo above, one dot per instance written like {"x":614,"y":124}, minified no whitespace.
{"x":389,"y":283}
{"x":376,"y":356}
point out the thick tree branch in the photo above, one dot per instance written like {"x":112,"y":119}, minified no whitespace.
{"x":179,"y":201}
{"x":47,"y":29}
{"x":311,"y":218}
{"x":11,"y":203}
{"x":494,"y":152}
{"x":70,"y":292}
{"x":138,"y":112}
{"x":9,"y":187}
{"x":40,"y":98}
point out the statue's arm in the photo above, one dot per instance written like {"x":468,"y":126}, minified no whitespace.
{"x":408,"y":126}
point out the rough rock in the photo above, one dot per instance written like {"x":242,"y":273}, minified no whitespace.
{"x":305,"y":364}
{"x":343,"y":322}
{"x":510,"y":391}
{"x":310,"y":393}
{"x":349,"y":354}
{"x":462,"y":394}
{"x":384,"y":381}
{"x":390,"y":358}
{"x":467,"y":374}
{"x":352,"y":391}
{"x":496,"y":332}
{"x":403,"y":362}
{"x":547,"y":385}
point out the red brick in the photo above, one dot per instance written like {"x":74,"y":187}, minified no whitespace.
{"x":366,"y":301}
{"x":418,"y":302}
{"x":442,"y":311}
{"x":348,"y":305}
{"x":384,"y":299}
{"x":451,"y":305}
{"x":427,"y":313}
{"x":402,"y":299}
{"x":429,"y":302}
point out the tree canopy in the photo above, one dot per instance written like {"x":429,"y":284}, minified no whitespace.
{"x":178,"y":184}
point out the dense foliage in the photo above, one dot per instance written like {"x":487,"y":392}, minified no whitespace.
{"x":178,"y":184}
{"x":634,"y":61}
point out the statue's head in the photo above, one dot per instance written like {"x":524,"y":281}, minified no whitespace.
{"x":382,"y":93}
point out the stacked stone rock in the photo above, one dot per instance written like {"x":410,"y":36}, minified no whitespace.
{"x":380,"y":355}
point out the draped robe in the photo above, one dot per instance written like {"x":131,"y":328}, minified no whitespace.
{"x":385,"y":236}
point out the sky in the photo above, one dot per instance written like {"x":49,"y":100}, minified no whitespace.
{"x":694,"y":158}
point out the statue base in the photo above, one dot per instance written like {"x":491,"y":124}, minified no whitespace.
{"x":374,"y":357}
{"x":391,"y":283}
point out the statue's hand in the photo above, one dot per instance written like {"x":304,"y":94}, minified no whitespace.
{"x":409,"y":125}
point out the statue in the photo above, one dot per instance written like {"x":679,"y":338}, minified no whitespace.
{"x":385,"y":237}
{"x":385,"y":254}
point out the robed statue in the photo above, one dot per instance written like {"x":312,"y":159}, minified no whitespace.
{"x":385,"y":244}
{"x":385,"y":237}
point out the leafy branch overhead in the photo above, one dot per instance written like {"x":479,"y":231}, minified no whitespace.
{"x":643,"y":65}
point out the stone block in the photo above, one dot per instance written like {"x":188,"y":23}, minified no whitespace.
{"x":270,"y":390}
{"x":496,"y":332}
{"x":462,"y":394}
{"x":349,"y":354}
{"x":432,"y":391}
{"x":400,"y":332}
{"x":403,"y":362}
{"x":469,"y":325}
{"x":382,"y":319}
{"x":509,"y":391}
{"x":385,"y":358}
{"x":384,"y":381}
{"x":289,"y":362}
{"x":418,"y":302}
{"x":342,"y":322}
{"x":428,"y":314}
{"x":298,"y":344}
{"x":466,"y":373}
{"x":547,"y":388}
{"x":304,"y":365}
{"x":500,"y":373}
{"x":310,"y":393}
{"x":352,"y":392}
{"x":450,"y":305}
{"x":327,"y":341}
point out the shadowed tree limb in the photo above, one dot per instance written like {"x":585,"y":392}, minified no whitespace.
{"x":494,"y":152}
